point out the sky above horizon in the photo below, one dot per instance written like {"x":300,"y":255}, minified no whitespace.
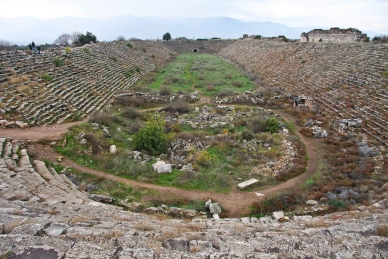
{"x":369,"y":15}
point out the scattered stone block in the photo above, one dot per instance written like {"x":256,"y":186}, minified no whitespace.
{"x":113,"y":149}
{"x":161,"y":167}
{"x":245,"y":184}
{"x":56,"y":229}
{"x":215,"y":208}
{"x":312,"y":203}
{"x":278,"y":214}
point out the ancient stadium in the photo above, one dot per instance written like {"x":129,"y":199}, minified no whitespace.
{"x":247,"y":148}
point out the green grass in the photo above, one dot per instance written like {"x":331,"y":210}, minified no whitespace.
{"x":204,"y":72}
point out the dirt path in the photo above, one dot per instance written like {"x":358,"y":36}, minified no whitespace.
{"x":54,"y":131}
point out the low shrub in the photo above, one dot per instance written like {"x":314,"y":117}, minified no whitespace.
{"x":237,"y":84}
{"x":165,"y":90}
{"x":131,"y":113}
{"x":247,"y":135}
{"x":130,"y":45}
{"x":104,"y":118}
{"x":226,"y":92}
{"x":177,"y":106}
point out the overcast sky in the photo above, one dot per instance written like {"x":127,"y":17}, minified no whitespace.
{"x":369,"y":15}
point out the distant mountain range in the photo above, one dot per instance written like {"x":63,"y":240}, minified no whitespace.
{"x":23,"y":30}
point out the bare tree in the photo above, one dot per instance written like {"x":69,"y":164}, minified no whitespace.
{"x":64,"y":39}
{"x":4,"y":45}
{"x":121,"y":37}
{"x":74,"y":37}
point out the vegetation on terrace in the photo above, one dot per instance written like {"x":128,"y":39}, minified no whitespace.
{"x":206,"y":73}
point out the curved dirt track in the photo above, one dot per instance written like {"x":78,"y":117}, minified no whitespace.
{"x":236,"y":202}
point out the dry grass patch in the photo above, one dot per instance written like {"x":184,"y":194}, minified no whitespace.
{"x":143,"y":226}
{"x":316,"y":224}
{"x":113,"y":234}
{"x":382,"y":230}
{"x":23,"y":88}
{"x":83,"y":219}
{"x":196,"y":249}
{"x":14,"y":80}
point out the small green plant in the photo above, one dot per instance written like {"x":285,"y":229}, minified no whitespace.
{"x":337,"y":204}
{"x":58,"y":62}
{"x":114,"y":59}
{"x":129,"y":73}
{"x":68,"y":50}
{"x":144,"y":50}
{"x":320,"y":40}
{"x":7,"y":255}
{"x":385,"y":73}
{"x":86,"y":50}
{"x":46,"y":77}
{"x":130,"y":45}
{"x":153,"y":56}
{"x":137,"y":69}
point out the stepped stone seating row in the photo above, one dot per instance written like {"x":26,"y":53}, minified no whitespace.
{"x":345,"y":79}
{"x":23,"y":180}
{"x":43,"y":215}
{"x":89,"y":77}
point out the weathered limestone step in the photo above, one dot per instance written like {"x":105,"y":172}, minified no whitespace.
{"x":56,"y":182}
{"x":25,"y":161}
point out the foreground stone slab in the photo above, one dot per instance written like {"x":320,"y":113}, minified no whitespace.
{"x":245,"y":184}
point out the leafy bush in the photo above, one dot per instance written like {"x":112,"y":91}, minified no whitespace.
{"x":58,"y":62}
{"x":138,"y":69}
{"x":46,"y":77}
{"x":130,"y":45}
{"x":114,"y":59}
{"x":144,"y":50}
{"x":68,"y":50}
{"x":165,"y":90}
{"x":151,"y":137}
{"x":204,"y":158}
{"x":272,"y":125}
{"x":86,"y":39}
{"x":86,"y":50}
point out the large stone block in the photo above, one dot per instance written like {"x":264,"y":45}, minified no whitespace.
{"x":161,"y":167}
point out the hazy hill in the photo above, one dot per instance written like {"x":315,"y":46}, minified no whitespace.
{"x":23,"y":30}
